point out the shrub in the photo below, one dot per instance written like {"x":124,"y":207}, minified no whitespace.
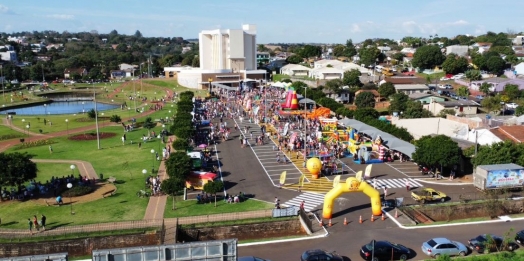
{"x":77,"y":191}
{"x":180,"y":144}
{"x":31,"y":144}
{"x":115,"y":118}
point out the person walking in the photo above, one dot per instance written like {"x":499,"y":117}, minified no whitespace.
{"x":50,"y":149}
{"x":385,"y":192}
{"x":407,"y":185}
{"x":35,"y":222}
{"x":42,"y":222}
{"x":302,"y":205}
{"x":375,"y":183}
{"x":30,"y":223}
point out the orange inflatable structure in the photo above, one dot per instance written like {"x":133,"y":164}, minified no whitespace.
{"x":291,"y":102}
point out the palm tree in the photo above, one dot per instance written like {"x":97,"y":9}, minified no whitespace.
{"x":485,"y":88}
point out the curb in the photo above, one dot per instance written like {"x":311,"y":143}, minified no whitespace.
{"x":443,"y":184}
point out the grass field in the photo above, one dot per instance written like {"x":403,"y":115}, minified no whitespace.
{"x":191,"y":208}
{"x":7,"y":133}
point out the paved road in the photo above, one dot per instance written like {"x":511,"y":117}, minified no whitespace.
{"x":347,"y":240}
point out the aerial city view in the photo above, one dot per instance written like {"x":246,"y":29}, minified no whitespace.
{"x":252,"y":131}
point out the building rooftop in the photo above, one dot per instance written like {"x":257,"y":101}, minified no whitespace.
{"x":411,"y":87}
{"x":459,"y":103}
{"x":513,"y":133}
{"x":405,"y":80}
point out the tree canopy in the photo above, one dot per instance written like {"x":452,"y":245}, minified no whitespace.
{"x":365,"y":100}
{"x":17,"y":168}
{"x":352,"y":78}
{"x":369,"y":55}
{"x":386,"y":89}
{"x":178,"y":165}
{"x":294,"y":59}
{"x":455,"y":64}
{"x":437,"y":151}
{"x":427,"y":57}
{"x":398,"y":102}
{"x":498,"y":153}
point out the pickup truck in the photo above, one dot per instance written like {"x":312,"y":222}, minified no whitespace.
{"x":428,"y":194}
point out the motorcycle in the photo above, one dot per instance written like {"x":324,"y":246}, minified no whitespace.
{"x":427,"y":171}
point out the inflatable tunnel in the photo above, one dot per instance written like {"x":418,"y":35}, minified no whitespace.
{"x":352,"y":185}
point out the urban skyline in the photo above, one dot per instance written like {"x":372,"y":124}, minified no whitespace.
{"x":277,"y":21}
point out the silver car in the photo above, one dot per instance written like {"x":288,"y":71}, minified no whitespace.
{"x":443,"y":246}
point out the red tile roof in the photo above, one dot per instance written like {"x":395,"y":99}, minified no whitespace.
{"x":513,"y":133}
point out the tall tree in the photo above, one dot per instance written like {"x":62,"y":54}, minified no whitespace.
{"x":455,"y":64}
{"x":17,"y":168}
{"x":512,"y":91}
{"x":437,"y":151}
{"x":473,"y":75}
{"x":485,"y":88}
{"x":172,"y":186}
{"x":338,"y":50}
{"x":213,"y":188}
{"x":415,"y":110}
{"x":386,"y":89}
{"x":398,"y":102}
{"x":369,"y":55}
{"x":463,"y":91}
{"x":352,"y":78}
{"x":149,"y":124}
{"x":499,"y":153}
{"x":491,"y":103}
{"x":350,"y":50}
{"x":294,"y":59}
{"x":365,"y":100}
{"x":495,"y":64}
{"x":427,"y":57}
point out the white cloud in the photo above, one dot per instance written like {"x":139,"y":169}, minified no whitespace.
{"x":5,"y":10}
{"x":355,"y":28}
{"x":61,"y":16}
{"x":459,"y":22}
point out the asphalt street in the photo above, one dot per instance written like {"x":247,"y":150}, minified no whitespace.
{"x":254,"y":170}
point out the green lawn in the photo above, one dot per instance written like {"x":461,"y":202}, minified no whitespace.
{"x":7,"y":133}
{"x":279,"y":77}
{"x":191,"y":208}
{"x":433,"y":77}
{"x":123,"y":162}
{"x":173,"y":84}
{"x":48,"y":170}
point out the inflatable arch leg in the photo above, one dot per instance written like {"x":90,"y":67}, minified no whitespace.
{"x":352,"y":185}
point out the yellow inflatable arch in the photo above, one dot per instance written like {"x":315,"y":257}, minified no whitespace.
{"x":352,"y":185}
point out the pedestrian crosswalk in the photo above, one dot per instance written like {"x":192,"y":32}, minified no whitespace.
{"x":311,"y":201}
{"x":394,"y":183}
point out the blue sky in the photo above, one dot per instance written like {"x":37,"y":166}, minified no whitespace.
{"x":285,"y":21}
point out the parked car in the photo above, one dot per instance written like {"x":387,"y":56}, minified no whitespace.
{"x":444,"y":79}
{"x":428,"y":194}
{"x":511,"y":105}
{"x":519,"y":237}
{"x":458,"y":76}
{"x":383,"y":251}
{"x":490,"y":243}
{"x":319,"y":254}
{"x":448,"y":86}
{"x":479,"y":97}
{"x":251,"y":258}
{"x":462,"y":98}
{"x":443,"y":246}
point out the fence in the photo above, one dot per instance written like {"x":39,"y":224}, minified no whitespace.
{"x":81,"y":230}
{"x":224,"y":217}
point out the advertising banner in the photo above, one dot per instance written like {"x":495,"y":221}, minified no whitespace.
{"x":505,"y":178}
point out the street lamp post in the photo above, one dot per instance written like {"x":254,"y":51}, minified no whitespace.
{"x":153,"y":162}
{"x":67,"y":126}
{"x":83,"y":107}
{"x":305,"y":122}
{"x":72,"y":167}
{"x":27,"y":127}
{"x":45,"y":109}
{"x":69,"y":186}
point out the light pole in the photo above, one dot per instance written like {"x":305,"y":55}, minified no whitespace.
{"x":27,"y":127}
{"x":67,"y":126}
{"x":144,"y":171}
{"x":69,"y":186}
{"x":305,"y":122}
{"x":72,"y":167}
{"x":83,"y":108}
{"x":45,"y":109}
{"x":153,"y":162}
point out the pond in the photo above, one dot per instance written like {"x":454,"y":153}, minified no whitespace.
{"x":61,"y":107}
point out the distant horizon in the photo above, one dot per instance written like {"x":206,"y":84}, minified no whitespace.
{"x":277,"y":22}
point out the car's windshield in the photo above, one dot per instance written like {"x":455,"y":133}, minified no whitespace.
{"x":369,"y":246}
{"x":481,"y":238}
{"x":432,"y":243}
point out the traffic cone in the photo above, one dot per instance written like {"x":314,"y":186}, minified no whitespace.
{"x":383,"y":218}
{"x":372,"y":218}
{"x":345,"y":222}
{"x":329,"y":224}
{"x":396,"y":213}
{"x":360,"y":220}
{"x":321,"y":223}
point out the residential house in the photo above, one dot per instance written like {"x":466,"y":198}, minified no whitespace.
{"x":519,"y":40}
{"x":54,"y":46}
{"x":326,"y":63}
{"x":126,"y":66}
{"x":69,"y":72}
{"x":482,"y":47}
{"x":425,"y":98}
{"x":512,"y":133}
{"x":351,"y":66}
{"x":408,"y":50}
{"x":384,"y":49}
{"x":186,"y":49}
{"x":519,"y":69}
{"x":460,"y":50}
{"x":411,"y":88}
{"x":43,"y":57}
{"x":498,"y":84}
{"x":398,"y":80}
{"x":375,"y":93}
{"x":117,"y":74}
{"x":326,"y":73}
{"x":8,"y":54}
{"x":461,"y":107}
{"x":295,"y":70}
{"x":262,"y":57}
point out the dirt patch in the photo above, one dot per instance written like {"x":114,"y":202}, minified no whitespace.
{"x":92,"y":136}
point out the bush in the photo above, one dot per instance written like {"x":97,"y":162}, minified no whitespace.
{"x":180,"y":144}
{"x":77,"y":191}
{"x":115,"y":118}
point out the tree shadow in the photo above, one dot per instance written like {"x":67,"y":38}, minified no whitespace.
{"x":225,"y":173}
{"x":119,"y":181}
{"x":351,"y":209}
{"x":9,"y":223}
{"x":228,"y":184}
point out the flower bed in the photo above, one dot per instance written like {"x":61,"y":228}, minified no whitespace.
{"x":36,"y":143}
{"x":92,"y":136}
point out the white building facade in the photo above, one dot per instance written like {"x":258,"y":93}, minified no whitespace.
{"x":228,"y":49}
